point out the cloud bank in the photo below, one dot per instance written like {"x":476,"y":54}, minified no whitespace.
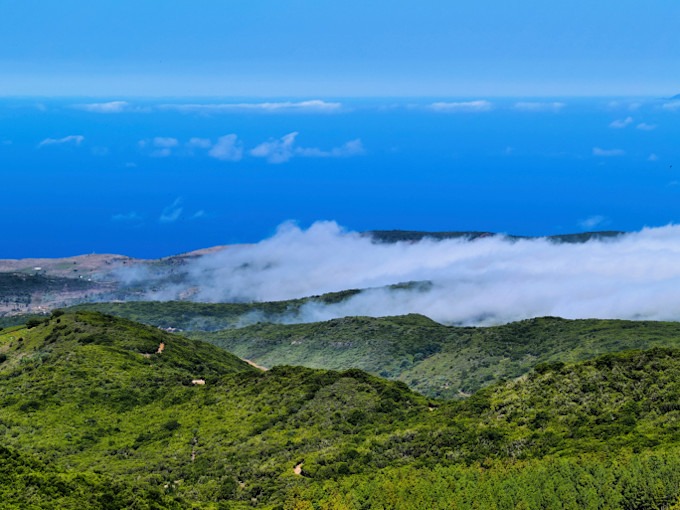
{"x":487,"y":281}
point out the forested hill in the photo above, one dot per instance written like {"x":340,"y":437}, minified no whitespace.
{"x":99,"y":404}
{"x":440,"y":361}
{"x":393,"y":236}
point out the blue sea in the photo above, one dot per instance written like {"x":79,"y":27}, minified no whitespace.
{"x":151,"y":178}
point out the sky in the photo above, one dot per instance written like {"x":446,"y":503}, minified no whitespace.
{"x":154,"y":128}
{"x":298,"y":48}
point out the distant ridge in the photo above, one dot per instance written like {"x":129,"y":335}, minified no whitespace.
{"x":394,"y":236}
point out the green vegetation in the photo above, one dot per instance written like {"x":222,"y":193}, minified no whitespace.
{"x":448,"y":362}
{"x":440,"y":361}
{"x":187,"y":315}
{"x":27,"y":483}
{"x":393,"y":236}
{"x":103,"y":412}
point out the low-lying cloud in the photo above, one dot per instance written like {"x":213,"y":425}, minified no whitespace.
{"x":485,"y":281}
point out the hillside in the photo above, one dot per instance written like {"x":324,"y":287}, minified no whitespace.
{"x":440,"y":361}
{"x":27,"y":483}
{"x":394,"y":236}
{"x":188,"y":315}
{"x":88,"y":393}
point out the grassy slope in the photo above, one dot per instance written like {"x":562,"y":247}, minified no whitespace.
{"x":77,"y":393}
{"x":439,"y":361}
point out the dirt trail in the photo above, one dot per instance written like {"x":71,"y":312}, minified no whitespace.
{"x":298,"y":469}
{"x":193,"y":449}
{"x":254,"y":364}
{"x":160,"y":348}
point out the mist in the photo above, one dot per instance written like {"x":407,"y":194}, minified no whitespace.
{"x":491,"y":280}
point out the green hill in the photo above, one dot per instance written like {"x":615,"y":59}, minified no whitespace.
{"x":89,"y":400}
{"x":393,"y":236}
{"x":449,"y":362}
{"x":187,"y":315}
{"x":87,"y":391}
{"x":440,"y":361}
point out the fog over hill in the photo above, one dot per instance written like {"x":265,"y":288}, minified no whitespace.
{"x":491,"y":279}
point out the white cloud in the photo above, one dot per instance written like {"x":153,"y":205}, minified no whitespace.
{"x":469,"y":106}
{"x":227,"y":148}
{"x":489,"y":280}
{"x":276,"y":151}
{"x":351,"y":148}
{"x":71,"y":139}
{"x":199,"y":214}
{"x":165,"y":142}
{"x":672,"y":106}
{"x":172,"y":212}
{"x":539,"y":107}
{"x":629,"y":105}
{"x":314,"y":105}
{"x":132,"y":216}
{"x":280,"y":151}
{"x":164,"y":146}
{"x":607,"y":152}
{"x":110,"y":107}
{"x":646,"y":127}
{"x":653,"y":157}
{"x":592,"y":222}
{"x":621,"y":123}
{"x":199,"y":143}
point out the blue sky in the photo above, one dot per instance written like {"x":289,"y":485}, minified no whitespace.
{"x":152,"y":128}
{"x":353,"y":48}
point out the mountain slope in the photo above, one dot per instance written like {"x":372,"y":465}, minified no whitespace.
{"x":79,"y":393}
{"x":27,"y":483}
{"x":86,"y":391}
{"x":188,"y":315}
{"x":440,"y":361}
